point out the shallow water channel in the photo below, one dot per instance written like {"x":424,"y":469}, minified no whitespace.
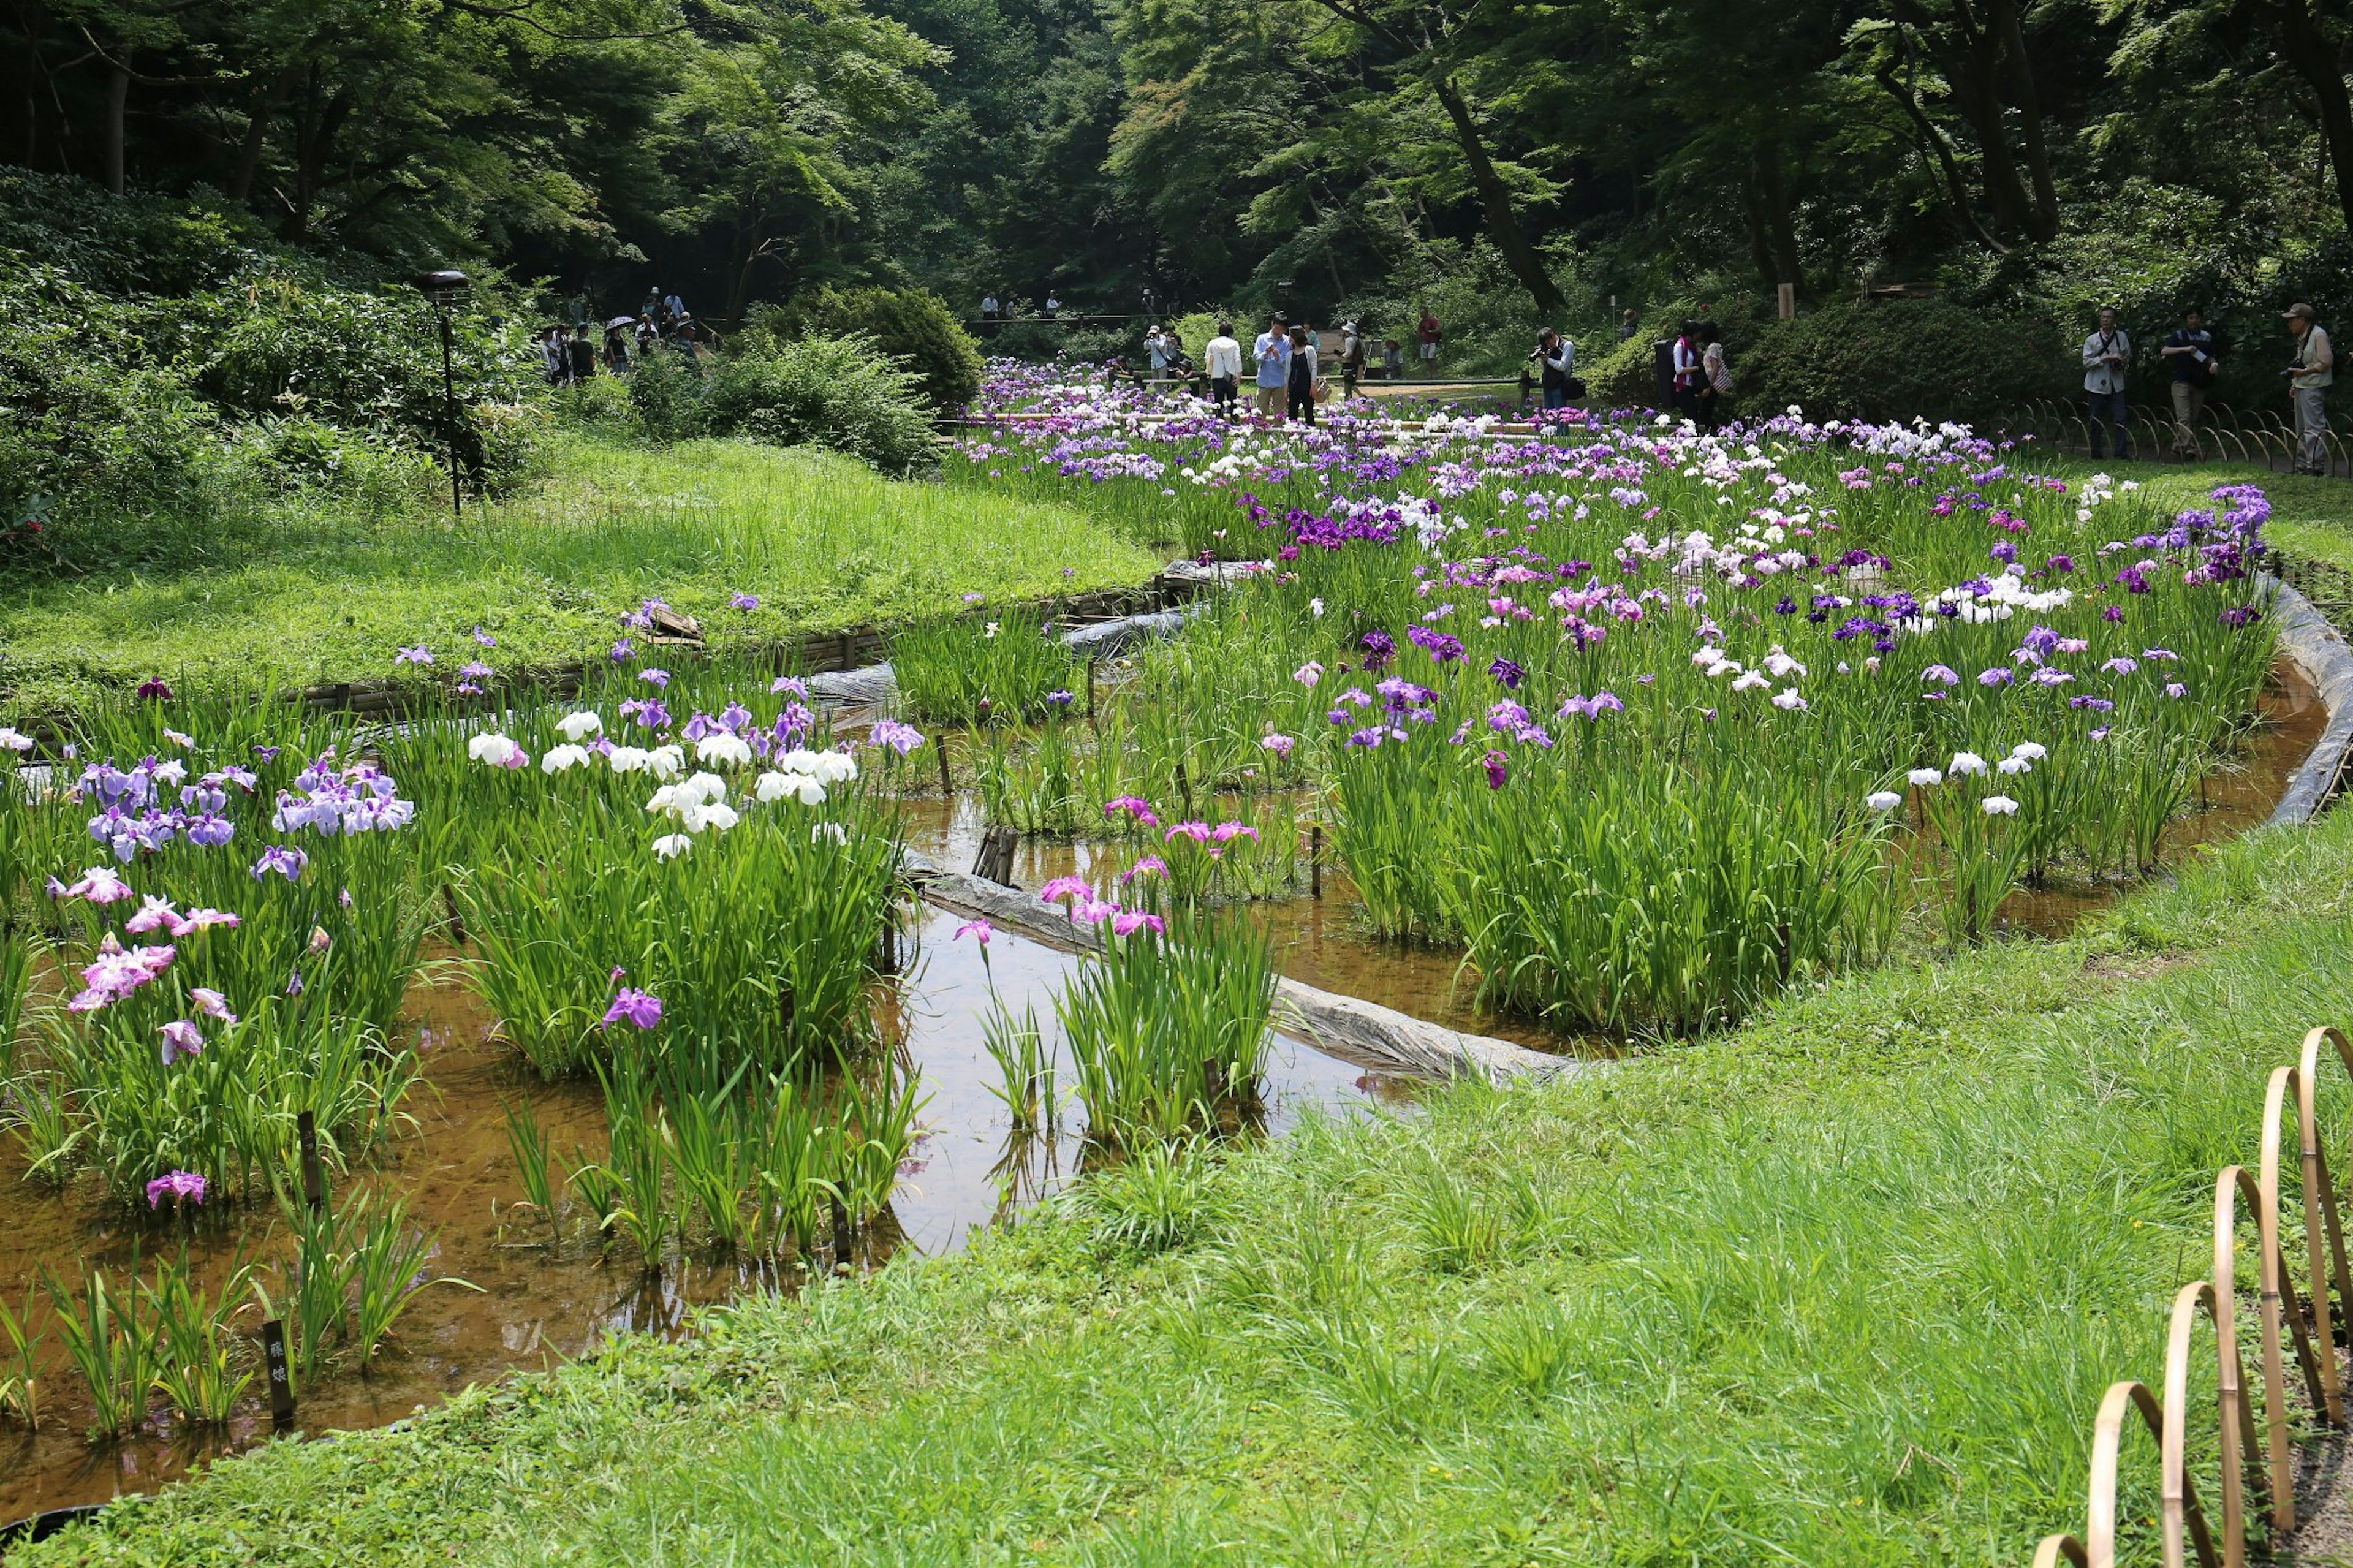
{"x":539,"y":1305}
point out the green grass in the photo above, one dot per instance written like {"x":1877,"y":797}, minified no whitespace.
{"x":316,"y":594}
{"x":1842,"y":1288}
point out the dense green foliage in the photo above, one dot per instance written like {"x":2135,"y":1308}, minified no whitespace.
{"x":912,"y":325}
{"x":1502,"y":164}
{"x":1843,"y":1288}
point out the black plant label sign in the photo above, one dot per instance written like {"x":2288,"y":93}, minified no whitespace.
{"x":282,"y":1385}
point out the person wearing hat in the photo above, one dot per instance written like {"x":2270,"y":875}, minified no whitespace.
{"x":1156,"y":344}
{"x":2307,"y":387}
{"x":1352,"y":358}
{"x":1556,"y":359}
{"x":2107,"y":353}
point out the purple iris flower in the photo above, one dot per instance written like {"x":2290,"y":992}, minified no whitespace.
{"x":631,"y":1005}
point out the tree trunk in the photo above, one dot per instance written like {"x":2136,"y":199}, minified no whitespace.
{"x":1502,"y":224}
{"x":1957,"y":191}
{"x":256,"y":135}
{"x":1752,"y":211}
{"x":1781,"y":233}
{"x":314,"y":146}
{"x":2317,"y":60}
{"x":2043,"y":218}
{"x":118,"y":97}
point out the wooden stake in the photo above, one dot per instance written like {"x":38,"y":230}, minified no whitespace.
{"x":314,"y":1183}
{"x":948,"y":787}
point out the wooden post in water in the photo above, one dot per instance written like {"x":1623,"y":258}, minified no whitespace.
{"x":947,"y":786}
{"x":314,"y":1183}
{"x":1315,"y":859}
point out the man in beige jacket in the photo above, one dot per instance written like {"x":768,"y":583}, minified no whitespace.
{"x":2307,"y":381}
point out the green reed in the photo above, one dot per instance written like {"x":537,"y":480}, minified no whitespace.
{"x":1166,"y":1032}
{"x":527,"y":1142}
{"x":198,"y":1352}
{"x":978,"y":671}
{"x":385,"y":1266}
{"x":20,"y":1346}
{"x":113,"y":1349}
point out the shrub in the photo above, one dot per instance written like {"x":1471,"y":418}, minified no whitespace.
{"x":1903,"y":360}
{"x":666,"y":389}
{"x":912,"y":325}
{"x":838,"y":393}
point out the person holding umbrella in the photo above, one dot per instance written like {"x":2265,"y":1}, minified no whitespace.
{"x":617,"y":344}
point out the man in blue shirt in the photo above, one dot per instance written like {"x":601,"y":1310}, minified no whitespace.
{"x":2190,"y":351}
{"x":1273,"y":352}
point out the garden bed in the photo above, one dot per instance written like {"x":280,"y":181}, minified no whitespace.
{"x":1476,"y":731}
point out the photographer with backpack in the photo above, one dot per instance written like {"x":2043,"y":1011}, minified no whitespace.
{"x":2189,"y":350}
{"x":1556,"y":358}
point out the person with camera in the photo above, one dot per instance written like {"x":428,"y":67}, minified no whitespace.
{"x":2309,"y":380}
{"x":1555,"y":360}
{"x":2190,"y":350}
{"x":2107,"y":354}
{"x":1273,"y":355}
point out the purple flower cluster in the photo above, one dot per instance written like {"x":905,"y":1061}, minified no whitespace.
{"x":328,"y":801}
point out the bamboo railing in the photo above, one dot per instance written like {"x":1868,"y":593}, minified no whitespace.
{"x":2304,"y":1320}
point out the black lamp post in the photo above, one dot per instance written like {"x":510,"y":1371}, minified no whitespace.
{"x":443,"y":291}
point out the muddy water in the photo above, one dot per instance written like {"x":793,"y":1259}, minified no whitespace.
{"x":539,"y":1305}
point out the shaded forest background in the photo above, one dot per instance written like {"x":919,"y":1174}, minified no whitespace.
{"x":1510,"y":162}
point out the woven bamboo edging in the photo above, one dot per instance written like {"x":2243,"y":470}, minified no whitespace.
{"x":2304,"y":1322}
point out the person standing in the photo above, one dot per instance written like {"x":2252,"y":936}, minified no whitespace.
{"x":651,"y":310}
{"x":1430,"y":333}
{"x":1628,"y":324}
{"x":673,"y":310}
{"x":1556,"y":358}
{"x":988,"y":308}
{"x":1223,"y":359}
{"x":1688,"y":370}
{"x":584,"y":356}
{"x":617,"y":350}
{"x":1715,"y":378}
{"x":1158,"y":347}
{"x":1302,"y":382}
{"x":1053,"y":305}
{"x":555,"y":360}
{"x":2309,"y":380}
{"x":579,"y":309}
{"x":2189,"y":350}
{"x":2107,"y":352}
{"x":1392,"y":359}
{"x":1352,"y":358}
{"x":1273,"y":352}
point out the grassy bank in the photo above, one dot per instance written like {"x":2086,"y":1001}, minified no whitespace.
{"x":299,"y":594}
{"x":1843,"y":1288}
